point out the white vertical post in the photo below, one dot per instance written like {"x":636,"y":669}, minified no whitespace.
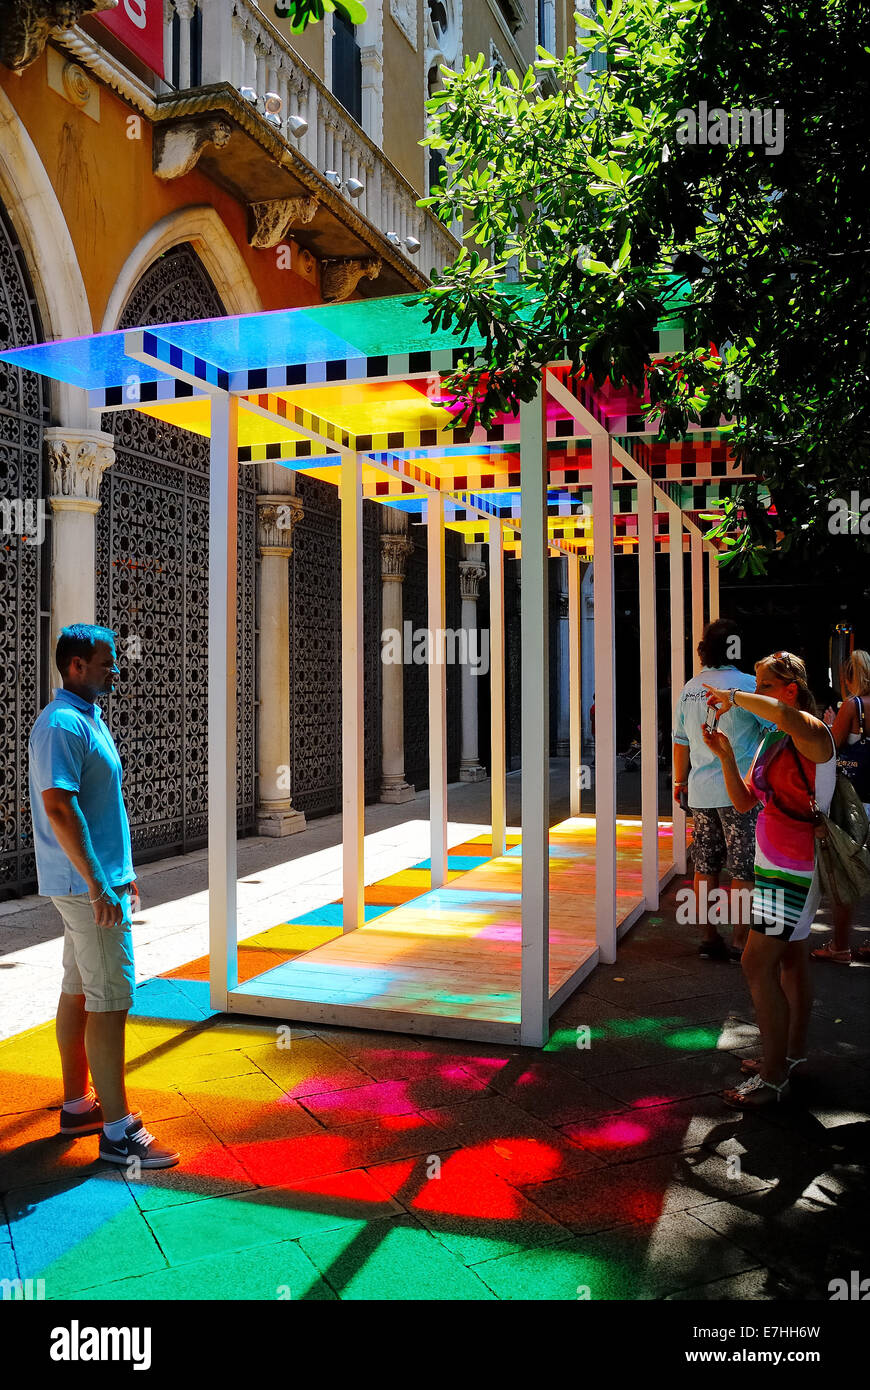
{"x":605,"y":698}
{"x":649,"y":718}
{"x":497,"y":687}
{"x":352,"y":696}
{"x":535,"y":731}
{"x":697,"y":555}
{"x":222,"y":561}
{"x":574,"y":684}
{"x":437,"y":690}
{"x":713,"y":576}
{"x":678,"y":657}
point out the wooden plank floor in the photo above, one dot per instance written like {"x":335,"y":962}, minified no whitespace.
{"x":455,"y":951}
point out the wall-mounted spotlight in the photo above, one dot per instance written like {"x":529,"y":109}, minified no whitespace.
{"x":411,"y":244}
{"x":296,"y":126}
{"x":272,"y":104}
{"x":352,"y":187}
{"x":249,"y":94}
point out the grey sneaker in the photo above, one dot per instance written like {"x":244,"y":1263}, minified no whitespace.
{"x":90,"y":1122}
{"x":139,"y":1144}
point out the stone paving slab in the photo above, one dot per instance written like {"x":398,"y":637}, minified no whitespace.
{"x":360,"y":1165}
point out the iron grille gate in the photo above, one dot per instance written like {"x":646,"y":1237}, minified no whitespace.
{"x":152,"y":588}
{"x":416,"y":688}
{"x":315,"y":650}
{"x":24,"y":673}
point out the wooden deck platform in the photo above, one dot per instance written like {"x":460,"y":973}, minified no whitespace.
{"x":446,"y":962}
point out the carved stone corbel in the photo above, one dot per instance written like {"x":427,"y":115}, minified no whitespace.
{"x":269,"y":222}
{"x":179,"y":144}
{"x":339,"y":279}
{"x":27,"y":24}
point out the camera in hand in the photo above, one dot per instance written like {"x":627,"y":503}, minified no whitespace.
{"x":712,"y":719}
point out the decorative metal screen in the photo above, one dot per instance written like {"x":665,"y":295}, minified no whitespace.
{"x":315,"y":650}
{"x":416,"y":689}
{"x":22,"y":577}
{"x":513,"y":666}
{"x":152,"y":588}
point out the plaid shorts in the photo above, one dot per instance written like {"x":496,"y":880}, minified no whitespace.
{"x":724,"y":838}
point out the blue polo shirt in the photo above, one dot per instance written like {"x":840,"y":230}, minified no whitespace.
{"x":71,"y":748}
{"x":706,"y":780}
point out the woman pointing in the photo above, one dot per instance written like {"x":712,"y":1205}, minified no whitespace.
{"x":794,"y":772}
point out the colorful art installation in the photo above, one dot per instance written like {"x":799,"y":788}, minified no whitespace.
{"x":353,"y":394}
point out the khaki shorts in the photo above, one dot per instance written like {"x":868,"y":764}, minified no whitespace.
{"x":97,"y":961}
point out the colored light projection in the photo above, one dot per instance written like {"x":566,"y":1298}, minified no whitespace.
{"x":347,"y":1165}
{"x":453,"y":951}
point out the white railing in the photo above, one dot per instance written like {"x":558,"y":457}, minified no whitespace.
{"x":238,"y":45}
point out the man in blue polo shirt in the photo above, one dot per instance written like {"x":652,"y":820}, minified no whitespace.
{"x":84,"y":864}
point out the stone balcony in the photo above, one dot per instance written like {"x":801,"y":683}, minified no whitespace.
{"x":214,"y":49}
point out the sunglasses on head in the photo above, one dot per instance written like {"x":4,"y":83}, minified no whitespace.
{"x":789,"y":662}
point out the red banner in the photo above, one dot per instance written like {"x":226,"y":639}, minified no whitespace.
{"x":139,"y":26}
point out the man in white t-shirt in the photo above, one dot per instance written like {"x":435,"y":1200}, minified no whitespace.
{"x":722,"y":837}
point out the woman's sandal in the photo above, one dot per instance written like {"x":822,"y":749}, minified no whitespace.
{"x":751,"y":1066}
{"x":755,"y":1092}
{"x":829,"y":952}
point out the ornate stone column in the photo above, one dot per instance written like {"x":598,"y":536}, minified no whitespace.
{"x":77,"y":459}
{"x":277,"y":514}
{"x":395,"y":549}
{"x":563,"y":707}
{"x":471,"y":571}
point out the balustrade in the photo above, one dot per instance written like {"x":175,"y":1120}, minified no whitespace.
{"x":213,"y":41}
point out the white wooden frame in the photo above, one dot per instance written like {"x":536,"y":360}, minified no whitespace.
{"x":536,"y":1004}
{"x":535,"y":724}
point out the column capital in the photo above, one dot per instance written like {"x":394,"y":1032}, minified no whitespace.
{"x":395,"y":550}
{"x":277,"y":515}
{"x":470,"y":575}
{"x":77,"y":459}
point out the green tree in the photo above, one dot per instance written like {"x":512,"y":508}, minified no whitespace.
{"x":301,"y":13}
{"x":589,"y":182}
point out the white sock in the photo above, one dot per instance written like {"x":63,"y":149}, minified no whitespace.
{"x":116,"y":1129}
{"x":83,"y":1104}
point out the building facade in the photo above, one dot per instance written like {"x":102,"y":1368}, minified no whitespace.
{"x":167,"y":160}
